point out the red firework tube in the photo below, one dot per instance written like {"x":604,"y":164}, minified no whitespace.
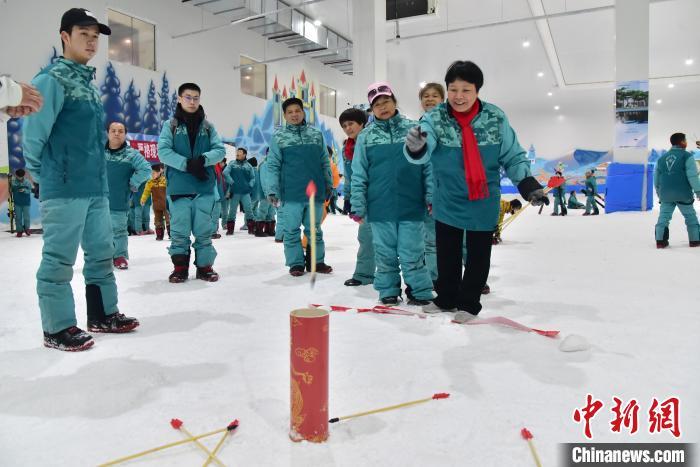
{"x":309,"y":375}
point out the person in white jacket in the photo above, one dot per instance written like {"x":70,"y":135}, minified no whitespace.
{"x":16,"y":100}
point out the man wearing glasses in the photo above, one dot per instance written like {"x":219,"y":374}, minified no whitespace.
{"x":190,"y":147}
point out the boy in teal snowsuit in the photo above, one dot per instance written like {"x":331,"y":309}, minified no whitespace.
{"x":190,"y":146}
{"x":353,"y":121}
{"x":591,"y":190}
{"x":240,"y":176}
{"x":63,"y":146}
{"x":21,"y":198}
{"x":265,"y":212}
{"x":127,"y":169}
{"x":271,"y":212}
{"x":675,"y":181}
{"x":393,"y":196}
{"x":278,"y":225}
{"x":297,"y":156}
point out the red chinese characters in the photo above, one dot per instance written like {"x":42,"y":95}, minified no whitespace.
{"x":627,"y":416}
{"x":662,"y":415}
{"x":149,"y":149}
{"x":592,"y":407}
{"x":665,"y":416}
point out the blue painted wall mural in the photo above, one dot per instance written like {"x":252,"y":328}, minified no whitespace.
{"x":164,"y":96}
{"x":144,"y":123}
{"x":151,"y":120}
{"x":257,"y":136}
{"x":573,"y":165}
{"x":132,"y":109}
{"x":112,"y":100}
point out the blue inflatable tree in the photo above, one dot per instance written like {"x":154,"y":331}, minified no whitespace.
{"x":111,"y":97}
{"x":165,"y":110}
{"x":132,"y":109}
{"x":14,"y":142}
{"x":240,"y":140}
{"x":267,"y":120}
{"x":151,"y":124}
{"x":173,"y":103}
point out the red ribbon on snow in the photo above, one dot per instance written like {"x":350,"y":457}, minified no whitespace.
{"x":500,"y":320}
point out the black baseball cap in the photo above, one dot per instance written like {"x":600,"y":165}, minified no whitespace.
{"x":82,"y":17}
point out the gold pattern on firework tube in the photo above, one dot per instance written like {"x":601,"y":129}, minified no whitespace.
{"x":309,"y":355}
{"x":297,"y":406}
{"x":307,"y":377}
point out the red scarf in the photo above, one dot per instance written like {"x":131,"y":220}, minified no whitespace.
{"x":473,"y":166}
{"x":219,"y":172}
{"x":349,"y":148}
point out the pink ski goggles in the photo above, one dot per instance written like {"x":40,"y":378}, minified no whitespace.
{"x":380,"y":88}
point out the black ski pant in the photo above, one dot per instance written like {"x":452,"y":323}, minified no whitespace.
{"x":457,"y":289}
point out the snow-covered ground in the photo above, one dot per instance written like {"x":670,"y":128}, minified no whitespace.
{"x":209,"y":353}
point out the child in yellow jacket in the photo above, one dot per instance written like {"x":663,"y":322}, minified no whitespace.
{"x":155,"y":188}
{"x":507,"y":207}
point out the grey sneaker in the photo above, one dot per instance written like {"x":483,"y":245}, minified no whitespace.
{"x":462,"y":317}
{"x":433,"y":308}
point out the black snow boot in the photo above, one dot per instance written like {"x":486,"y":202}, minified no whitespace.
{"x":181,"y":271}
{"x":72,"y":339}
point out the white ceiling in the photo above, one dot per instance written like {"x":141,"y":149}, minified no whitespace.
{"x":584,"y":51}
{"x":584,"y":43}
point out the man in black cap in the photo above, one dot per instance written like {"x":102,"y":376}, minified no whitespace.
{"x":64,"y":150}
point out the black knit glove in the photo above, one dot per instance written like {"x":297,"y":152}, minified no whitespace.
{"x":531,"y":190}
{"x":195,"y":166}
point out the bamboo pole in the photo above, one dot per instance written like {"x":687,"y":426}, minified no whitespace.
{"x":177,"y":424}
{"x":165,"y":446}
{"x":212,"y":455}
{"x":391,"y":407}
{"x":311,"y":193}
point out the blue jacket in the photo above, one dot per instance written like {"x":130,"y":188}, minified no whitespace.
{"x":240,"y":175}
{"x":127,"y":169}
{"x":176,"y":151}
{"x":297,"y":155}
{"x":21,"y":191}
{"x":676,"y":176}
{"x":385,"y":186}
{"x":499,"y":148}
{"x":64,"y":142}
